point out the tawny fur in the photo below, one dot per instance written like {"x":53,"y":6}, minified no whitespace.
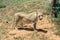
{"x":26,"y":17}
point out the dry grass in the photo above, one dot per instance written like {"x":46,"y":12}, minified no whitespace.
{"x":6,"y":21}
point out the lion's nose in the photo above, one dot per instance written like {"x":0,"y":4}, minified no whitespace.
{"x":41,"y":18}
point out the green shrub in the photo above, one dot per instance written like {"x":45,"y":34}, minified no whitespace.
{"x":57,"y":21}
{"x":2,"y":6}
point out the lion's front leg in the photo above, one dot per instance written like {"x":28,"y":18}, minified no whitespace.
{"x":16,"y":20}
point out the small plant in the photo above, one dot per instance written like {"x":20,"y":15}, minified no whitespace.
{"x":57,"y":30}
{"x":18,"y":38}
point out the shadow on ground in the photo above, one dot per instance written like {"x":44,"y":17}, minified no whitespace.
{"x":31,"y":29}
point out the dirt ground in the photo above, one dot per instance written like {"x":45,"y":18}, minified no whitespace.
{"x":44,"y":24}
{"x":46,"y":31}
